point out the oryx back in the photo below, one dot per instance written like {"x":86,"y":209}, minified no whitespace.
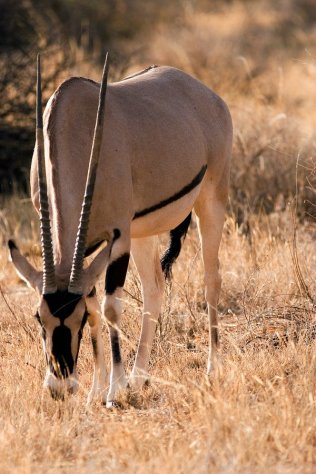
{"x":117,"y":165}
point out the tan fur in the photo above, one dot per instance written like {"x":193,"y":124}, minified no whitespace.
{"x":162,"y":128}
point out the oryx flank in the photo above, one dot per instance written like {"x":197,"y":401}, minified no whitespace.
{"x":161,"y":147}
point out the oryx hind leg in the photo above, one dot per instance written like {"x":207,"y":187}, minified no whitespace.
{"x":145,"y":252}
{"x":95,"y":324}
{"x":210,"y":211}
{"x":114,"y":282}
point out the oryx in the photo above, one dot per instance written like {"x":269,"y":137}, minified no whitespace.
{"x":161,"y":147}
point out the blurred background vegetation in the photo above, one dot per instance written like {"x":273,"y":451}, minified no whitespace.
{"x":259,"y":55}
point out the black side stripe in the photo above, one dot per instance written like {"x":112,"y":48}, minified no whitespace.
{"x":198,"y":178}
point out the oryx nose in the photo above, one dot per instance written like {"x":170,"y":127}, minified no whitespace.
{"x":73,"y":388}
{"x":55,"y":394}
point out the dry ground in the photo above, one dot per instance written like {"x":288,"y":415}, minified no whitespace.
{"x":258,"y":412}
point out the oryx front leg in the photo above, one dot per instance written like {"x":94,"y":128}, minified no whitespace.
{"x":95,"y":324}
{"x":146,"y":257}
{"x":114,"y":282}
{"x":211,"y":213}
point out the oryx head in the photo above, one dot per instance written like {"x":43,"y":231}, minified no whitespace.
{"x":62,"y":311}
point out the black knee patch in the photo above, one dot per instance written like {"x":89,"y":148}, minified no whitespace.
{"x":116,"y":273}
{"x":214,"y":335}
{"x":116,"y":351}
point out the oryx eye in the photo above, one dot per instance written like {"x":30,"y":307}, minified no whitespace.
{"x":38,"y":319}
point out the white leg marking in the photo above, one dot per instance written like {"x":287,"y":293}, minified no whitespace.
{"x":112,"y":309}
{"x":146,"y":257}
{"x":211,"y":214}
{"x":95,"y":324}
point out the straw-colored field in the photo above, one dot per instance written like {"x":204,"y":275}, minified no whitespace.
{"x":257,"y":413}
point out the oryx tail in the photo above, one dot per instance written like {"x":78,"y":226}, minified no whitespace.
{"x":173,"y":251}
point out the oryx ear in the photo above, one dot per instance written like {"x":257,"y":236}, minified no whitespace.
{"x":33,"y":277}
{"x":94,"y":270}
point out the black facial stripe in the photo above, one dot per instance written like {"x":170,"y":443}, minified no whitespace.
{"x":198,"y":178}
{"x":115,"y":345}
{"x":62,"y":303}
{"x":116,"y":273}
{"x":43,"y":330}
{"x":63,"y":364}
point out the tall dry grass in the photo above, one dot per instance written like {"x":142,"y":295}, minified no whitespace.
{"x":257,"y":412}
{"x":261,"y":59}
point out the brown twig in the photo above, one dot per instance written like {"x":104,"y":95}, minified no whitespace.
{"x":18,"y":320}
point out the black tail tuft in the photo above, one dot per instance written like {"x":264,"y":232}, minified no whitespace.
{"x":173,"y":251}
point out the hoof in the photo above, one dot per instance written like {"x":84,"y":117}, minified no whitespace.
{"x":96,"y":394}
{"x":113,"y":404}
{"x":215,"y":365}
{"x":137,"y":381}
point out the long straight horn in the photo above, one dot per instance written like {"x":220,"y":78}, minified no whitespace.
{"x":49,"y":279}
{"x":75,"y":283}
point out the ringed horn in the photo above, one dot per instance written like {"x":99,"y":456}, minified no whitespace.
{"x":49,"y":279}
{"x":75,"y":282}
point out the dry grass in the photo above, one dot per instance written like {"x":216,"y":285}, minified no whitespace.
{"x":258,"y":411}
{"x":260,"y":57}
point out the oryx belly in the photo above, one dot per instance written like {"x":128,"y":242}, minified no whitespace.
{"x":161,"y":131}
{"x":166,"y":217}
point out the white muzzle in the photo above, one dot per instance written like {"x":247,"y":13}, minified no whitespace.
{"x":59,"y":387}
